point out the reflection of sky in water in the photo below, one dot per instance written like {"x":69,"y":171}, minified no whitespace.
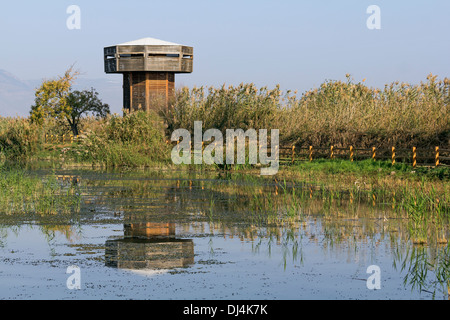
{"x":228,"y":253}
{"x":224,"y":268}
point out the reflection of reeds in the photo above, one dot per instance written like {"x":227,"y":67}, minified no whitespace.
{"x":427,"y":269}
{"x":269,"y":211}
{"x":272,"y":205}
{"x":25,"y":194}
{"x":280,"y":213}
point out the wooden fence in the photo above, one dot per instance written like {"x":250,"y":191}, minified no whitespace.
{"x":426,"y":157}
{"x":65,"y":138}
{"x":413,"y":155}
{"x":292,"y":154}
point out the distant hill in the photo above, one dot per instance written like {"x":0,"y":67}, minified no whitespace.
{"x":17,"y":96}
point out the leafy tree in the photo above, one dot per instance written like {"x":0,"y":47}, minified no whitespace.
{"x":51,"y":98}
{"x":83,"y":102}
{"x":54,"y":99}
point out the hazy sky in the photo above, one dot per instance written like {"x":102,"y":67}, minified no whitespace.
{"x":297,"y":44}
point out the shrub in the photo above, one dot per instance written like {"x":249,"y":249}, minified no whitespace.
{"x":19,"y":138}
{"x":136,"y":139}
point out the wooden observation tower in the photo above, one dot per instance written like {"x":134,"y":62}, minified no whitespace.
{"x":148,"y":66}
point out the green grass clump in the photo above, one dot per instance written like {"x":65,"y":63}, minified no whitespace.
{"x":134,"y":140}
{"x":22,"y":193}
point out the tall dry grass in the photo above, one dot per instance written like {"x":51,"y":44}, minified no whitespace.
{"x":136,"y":139}
{"x":339,"y":113}
{"x":19,"y":138}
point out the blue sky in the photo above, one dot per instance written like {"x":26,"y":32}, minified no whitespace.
{"x":297,"y":44}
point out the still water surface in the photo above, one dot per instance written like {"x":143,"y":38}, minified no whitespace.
{"x":142,"y":235}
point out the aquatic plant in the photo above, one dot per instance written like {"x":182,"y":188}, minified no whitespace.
{"x":26,"y":194}
{"x":427,"y":269}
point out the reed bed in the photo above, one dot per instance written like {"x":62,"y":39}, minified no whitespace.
{"x":339,"y":113}
{"x":133,"y":140}
{"x":22,"y":140}
{"x":19,"y":138}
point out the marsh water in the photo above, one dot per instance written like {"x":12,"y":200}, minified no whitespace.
{"x":189,"y":235}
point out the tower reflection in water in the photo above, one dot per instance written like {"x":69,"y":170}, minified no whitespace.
{"x":149,"y":246}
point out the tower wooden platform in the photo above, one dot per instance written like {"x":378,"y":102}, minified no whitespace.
{"x":148,"y":66}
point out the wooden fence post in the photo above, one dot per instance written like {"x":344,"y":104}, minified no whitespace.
{"x":351,"y":153}
{"x":414,"y":157}
{"x":393,"y":155}
{"x":436,"y":157}
{"x":393,"y":200}
{"x":293,"y":154}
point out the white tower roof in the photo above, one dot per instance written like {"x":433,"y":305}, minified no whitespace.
{"x":149,"y":42}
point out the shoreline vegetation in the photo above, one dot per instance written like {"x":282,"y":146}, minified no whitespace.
{"x":22,"y":193}
{"x":398,"y":201}
{"x":337,"y":113}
